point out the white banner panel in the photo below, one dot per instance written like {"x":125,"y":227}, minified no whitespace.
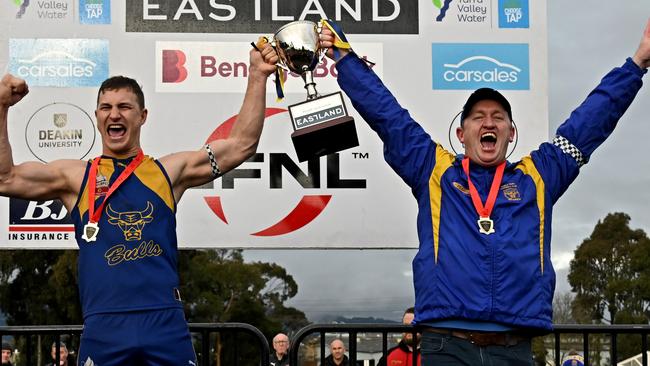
{"x":191,"y":58}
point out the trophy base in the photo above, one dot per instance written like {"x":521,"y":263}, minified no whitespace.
{"x":325,"y":138}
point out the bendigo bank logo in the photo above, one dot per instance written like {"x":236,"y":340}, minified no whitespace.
{"x":222,"y":67}
{"x":173,"y":66}
{"x":309,"y":206}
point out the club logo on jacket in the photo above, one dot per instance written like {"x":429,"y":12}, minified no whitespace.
{"x":511,"y":192}
{"x":461,"y":188}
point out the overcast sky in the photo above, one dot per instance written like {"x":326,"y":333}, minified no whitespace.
{"x":586,"y":39}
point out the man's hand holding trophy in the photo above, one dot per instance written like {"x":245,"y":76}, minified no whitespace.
{"x":321,"y":124}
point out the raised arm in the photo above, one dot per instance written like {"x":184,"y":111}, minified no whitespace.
{"x":642,"y":54}
{"x":408,"y":149}
{"x":193,"y":168}
{"x":592,"y":122}
{"x":35,"y":181}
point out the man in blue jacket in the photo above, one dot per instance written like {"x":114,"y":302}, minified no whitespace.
{"x":483,"y":276}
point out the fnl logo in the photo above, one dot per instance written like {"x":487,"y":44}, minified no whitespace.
{"x":513,"y":14}
{"x":468,"y":66}
{"x":280,"y":165}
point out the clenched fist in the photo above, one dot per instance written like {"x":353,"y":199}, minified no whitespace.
{"x":12,"y":90}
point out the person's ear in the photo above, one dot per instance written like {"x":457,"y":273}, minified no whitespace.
{"x":461,"y":135}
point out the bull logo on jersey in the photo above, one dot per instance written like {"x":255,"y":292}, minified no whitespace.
{"x":132,"y":222}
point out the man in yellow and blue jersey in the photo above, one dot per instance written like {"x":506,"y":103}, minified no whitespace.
{"x":123,"y":205}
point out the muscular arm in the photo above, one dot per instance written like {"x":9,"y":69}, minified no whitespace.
{"x":192,"y":168}
{"x":34,"y":181}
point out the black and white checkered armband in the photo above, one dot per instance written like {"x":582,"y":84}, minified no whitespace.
{"x":570,"y":149}
{"x":216,"y":172}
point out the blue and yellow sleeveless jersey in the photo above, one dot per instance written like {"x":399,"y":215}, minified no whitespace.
{"x":133,"y":264}
{"x":506,"y":277}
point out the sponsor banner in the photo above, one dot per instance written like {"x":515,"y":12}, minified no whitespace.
{"x":513,"y":14}
{"x":59,"y":62}
{"x":49,"y":10}
{"x":222,"y":67}
{"x":266,"y":16}
{"x":468,"y":66}
{"x":194,"y":85}
{"x":39,"y":224}
{"x":60,"y":131}
{"x":95,"y":11}
{"x":463,"y":12}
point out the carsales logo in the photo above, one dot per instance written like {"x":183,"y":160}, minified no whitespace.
{"x":222,"y":67}
{"x":285,"y":176}
{"x":59,"y":62}
{"x":468,"y":66}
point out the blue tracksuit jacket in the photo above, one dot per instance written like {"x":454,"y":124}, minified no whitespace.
{"x":506,"y":277}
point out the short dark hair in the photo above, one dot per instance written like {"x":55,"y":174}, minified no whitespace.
{"x":62,"y":345}
{"x":410,"y":310}
{"x":122,"y":82}
{"x":484,"y":94}
{"x":6,"y":345}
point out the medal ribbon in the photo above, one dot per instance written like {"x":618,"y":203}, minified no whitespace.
{"x":484,"y":211}
{"x":94,"y":215}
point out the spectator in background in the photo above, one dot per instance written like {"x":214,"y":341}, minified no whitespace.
{"x":64,"y":356}
{"x":281,"y":346}
{"x":402,"y":354}
{"x":6,"y":354}
{"x":337,"y":355}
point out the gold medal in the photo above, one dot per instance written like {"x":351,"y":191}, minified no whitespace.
{"x":91,"y":230}
{"x":485,"y":225}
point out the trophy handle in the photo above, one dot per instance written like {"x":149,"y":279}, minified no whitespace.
{"x":279,"y":63}
{"x":322,"y":50}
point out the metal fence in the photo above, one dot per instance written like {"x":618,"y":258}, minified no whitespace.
{"x":202,"y":332}
{"x":587,"y":339}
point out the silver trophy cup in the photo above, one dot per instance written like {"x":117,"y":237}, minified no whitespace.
{"x":300,"y":52}
{"x":321,"y":124}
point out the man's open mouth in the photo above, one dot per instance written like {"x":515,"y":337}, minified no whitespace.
{"x":488,"y":140}
{"x":116,"y":130}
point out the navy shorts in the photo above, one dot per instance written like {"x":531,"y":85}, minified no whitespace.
{"x":153,"y":338}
